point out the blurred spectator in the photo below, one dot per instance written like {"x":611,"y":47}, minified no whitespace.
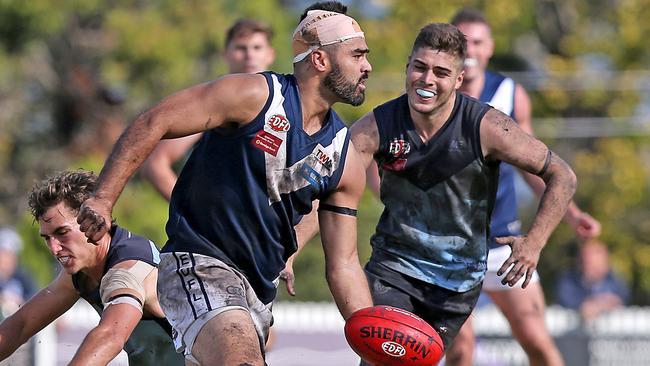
{"x":15,"y":285}
{"x":592,"y":288}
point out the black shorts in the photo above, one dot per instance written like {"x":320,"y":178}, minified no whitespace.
{"x":443,"y":309}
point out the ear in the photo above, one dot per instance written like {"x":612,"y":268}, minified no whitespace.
{"x":459,"y":79}
{"x":490,"y":47}
{"x":320,"y":60}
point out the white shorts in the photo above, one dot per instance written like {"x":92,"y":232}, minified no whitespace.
{"x":495,"y":260}
{"x":194,"y":288}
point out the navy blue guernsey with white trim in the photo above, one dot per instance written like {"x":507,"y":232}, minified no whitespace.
{"x":242,"y":190}
{"x":438,"y":196}
{"x":499,"y":92}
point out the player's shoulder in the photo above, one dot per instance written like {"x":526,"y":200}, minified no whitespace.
{"x":244,"y":84}
{"x":128,"y":246}
{"x":367,"y":123}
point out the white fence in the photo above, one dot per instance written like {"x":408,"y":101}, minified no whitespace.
{"x":311,"y":334}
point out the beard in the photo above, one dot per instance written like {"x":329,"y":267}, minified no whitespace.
{"x":344,"y":89}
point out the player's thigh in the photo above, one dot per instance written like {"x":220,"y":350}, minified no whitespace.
{"x":524,"y":309}
{"x":465,"y":334}
{"x":228,"y":338}
{"x":193,"y":289}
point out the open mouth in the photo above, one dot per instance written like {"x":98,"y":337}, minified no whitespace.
{"x":63,"y":259}
{"x":471,"y":62}
{"x":425,"y":93}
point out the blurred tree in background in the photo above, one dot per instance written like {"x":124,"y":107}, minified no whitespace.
{"x":74,"y":73}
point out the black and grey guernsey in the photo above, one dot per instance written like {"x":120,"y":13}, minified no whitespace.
{"x":438,"y":196}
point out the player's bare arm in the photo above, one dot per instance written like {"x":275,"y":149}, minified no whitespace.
{"x":338,"y":227}
{"x":230,"y":100}
{"x":158,"y":166}
{"x":503,"y":140}
{"x":365,"y":139}
{"x":125,"y":290}
{"x":39,"y":311}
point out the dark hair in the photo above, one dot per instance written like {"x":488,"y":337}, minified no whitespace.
{"x":469,"y":15}
{"x":245,"y":27}
{"x":333,"y":6}
{"x":442,"y":37}
{"x":70,"y":187}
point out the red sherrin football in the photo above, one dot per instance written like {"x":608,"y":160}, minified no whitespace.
{"x":388,"y":336}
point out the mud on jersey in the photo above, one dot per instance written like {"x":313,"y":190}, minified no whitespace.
{"x":437,"y":195}
{"x":242,"y":190}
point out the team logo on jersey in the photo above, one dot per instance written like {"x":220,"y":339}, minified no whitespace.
{"x":399,"y":147}
{"x":267,"y":142}
{"x":324,"y":159}
{"x":279,"y":123}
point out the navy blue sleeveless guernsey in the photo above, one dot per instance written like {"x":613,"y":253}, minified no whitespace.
{"x":150,"y":342}
{"x":499,"y":92}
{"x":242,"y":190}
{"x":437,"y":196}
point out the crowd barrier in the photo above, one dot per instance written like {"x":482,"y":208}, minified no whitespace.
{"x":310,"y":334}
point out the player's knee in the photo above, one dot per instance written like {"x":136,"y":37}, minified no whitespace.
{"x":459,"y":356}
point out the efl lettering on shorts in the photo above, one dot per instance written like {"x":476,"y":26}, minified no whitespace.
{"x":267,"y":142}
{"x":192,"y":284}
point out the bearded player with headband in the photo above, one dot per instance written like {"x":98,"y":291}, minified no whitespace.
{"x":271,"y":146}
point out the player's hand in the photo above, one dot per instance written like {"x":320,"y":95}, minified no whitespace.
{"x":523,"y":260}
{"x":585,"y":226}
{"x":288,"y":277}
{"x":94,"y":218}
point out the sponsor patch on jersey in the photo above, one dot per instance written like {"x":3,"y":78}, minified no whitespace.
{"x":399,"y":147}
{"x":324,"y":159}
{"x":279,"y":123}
{"x":267,"y":142}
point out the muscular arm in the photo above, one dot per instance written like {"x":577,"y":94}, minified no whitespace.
{"x":107,"y":339}
{"x":582,"y":223}
{"x":365,"y":139}
{"x":158,"y":168}
{"x":199,"y":108}
{"x":39,"y":311}
{"x":345,"y":277}
{"x":503,"y":140}
{"x":104,"y":342}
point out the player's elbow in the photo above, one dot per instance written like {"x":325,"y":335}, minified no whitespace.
{"x":563,"y":176}
{"x":113,"y":338}
{"x":570,"y":181}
